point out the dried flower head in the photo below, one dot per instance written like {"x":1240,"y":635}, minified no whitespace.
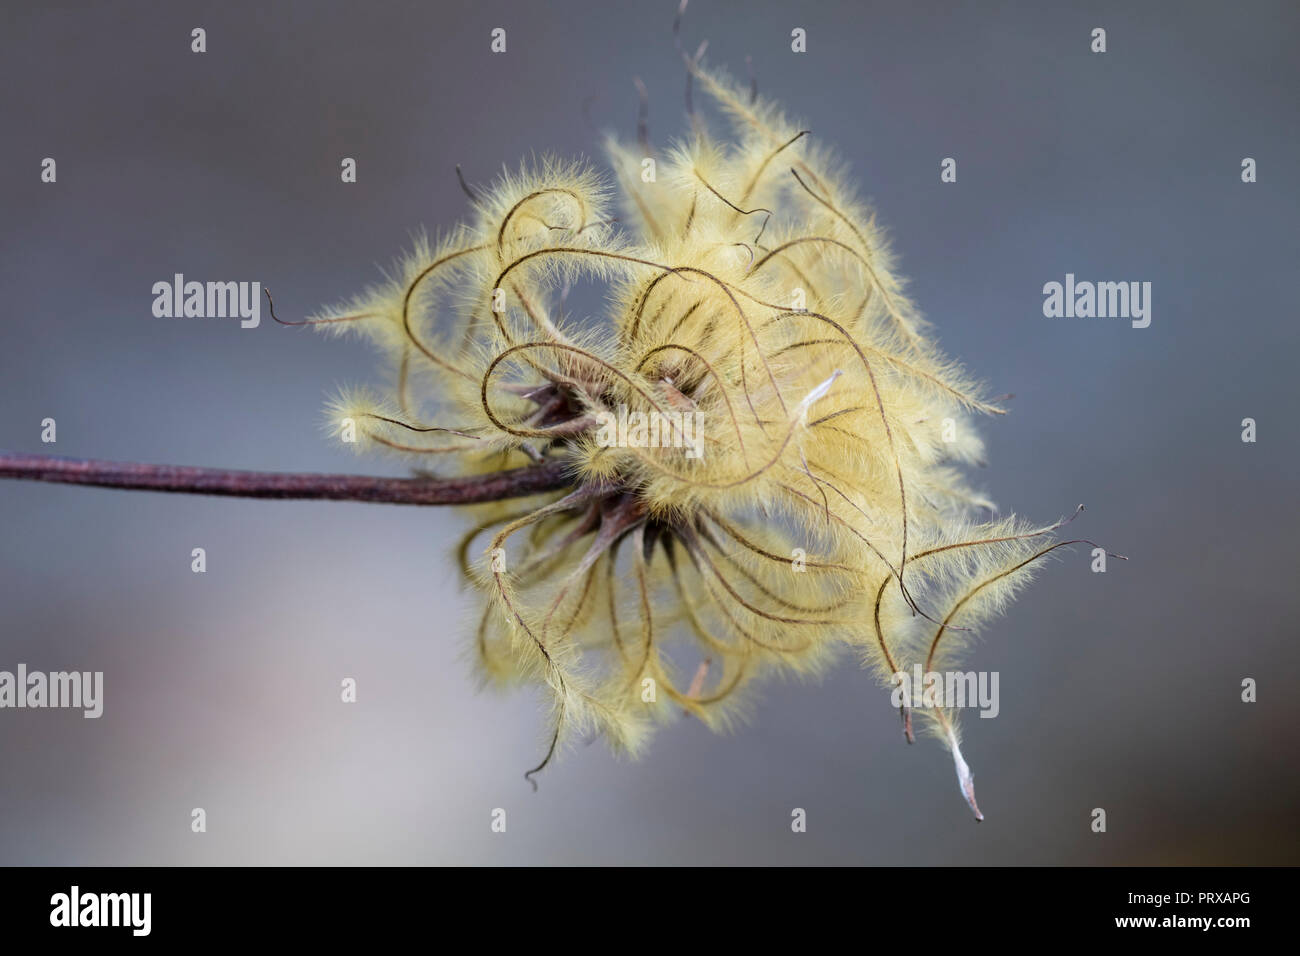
{"x":762,"y":443}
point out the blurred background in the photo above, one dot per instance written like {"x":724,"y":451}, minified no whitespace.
{"x":1118,"y":690}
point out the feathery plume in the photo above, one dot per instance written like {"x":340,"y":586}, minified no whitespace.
{"x":763,"y":442}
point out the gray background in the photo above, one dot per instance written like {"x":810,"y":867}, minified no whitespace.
{"x":1118,"y":691}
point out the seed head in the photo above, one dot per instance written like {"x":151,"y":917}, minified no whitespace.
{"x":766,"y":446}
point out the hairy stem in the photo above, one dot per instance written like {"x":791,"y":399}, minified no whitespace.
{"x":496,"y":486}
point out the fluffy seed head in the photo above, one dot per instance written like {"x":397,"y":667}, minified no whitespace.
{"x":766,"y":445}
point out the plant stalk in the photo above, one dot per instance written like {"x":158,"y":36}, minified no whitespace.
{"x":473,"y":489}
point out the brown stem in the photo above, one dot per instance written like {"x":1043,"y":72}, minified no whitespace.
{"x":497,"y":486}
